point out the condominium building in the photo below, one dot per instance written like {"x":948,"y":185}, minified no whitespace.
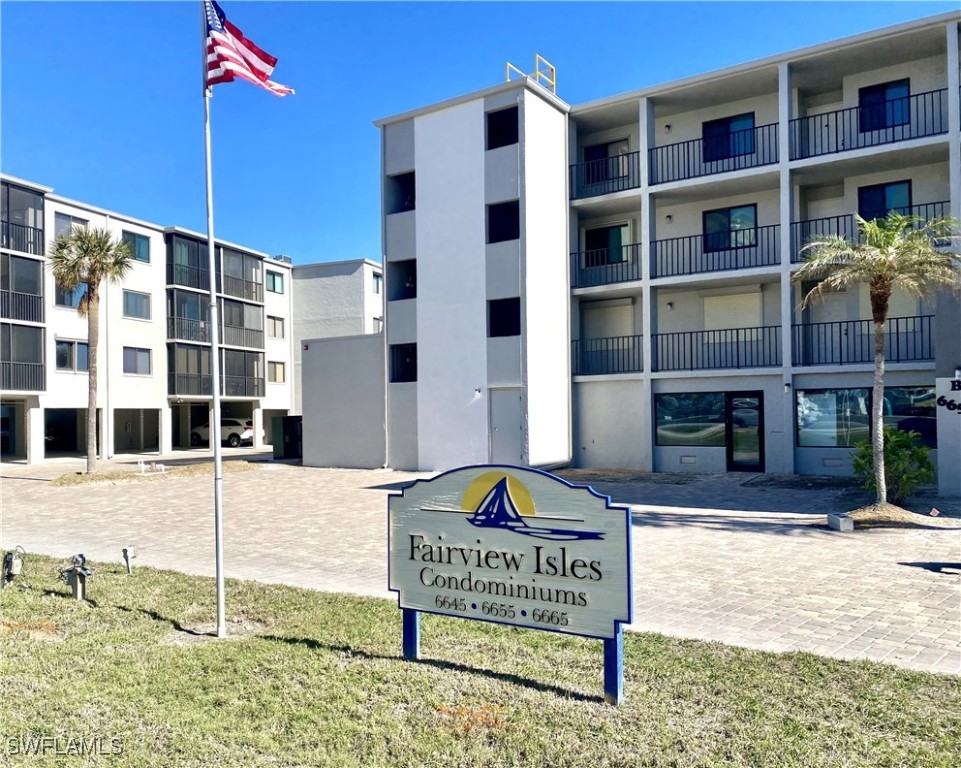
{"x":610,"y":284}
{"x":155,"y":340}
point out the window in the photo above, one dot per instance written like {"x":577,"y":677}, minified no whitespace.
{"x":884,"y":106}
{"x":502,"y":128}
{"x":607,"y":162}
{"x":139,"y":245}
{"x":400,"y":193}
{"x":503,"y":221}
{"x":72,"y":356}
{"x":275,"y":282}
{"x":275,"y":372}
{"x":728,"y":137}
{"x":605,"y":245}
{"x":136,"y":360}
{"x":275,"y":327}
{"x":136,"y":305}
{"x":832,"y":417}
{"x":19,"y":275}
{"x":690,"y":419}
{"x":21,"y":343}
{"x":403,"y":280}
{"x":912,"y":409}
{"x":378,"y":283}
{"x":65,"y":298}
{"x":878,"y":200}
{"x":727,"y":228}
{"x":64,"y":224}
{"x":403,"y":362}
{"x":504,"y":317}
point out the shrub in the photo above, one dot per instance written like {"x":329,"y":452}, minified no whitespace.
{"x":906,"y":464}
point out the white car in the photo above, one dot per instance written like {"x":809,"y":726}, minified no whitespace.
{"x":234,"y":432}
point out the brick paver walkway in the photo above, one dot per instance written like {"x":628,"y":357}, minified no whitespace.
{"x":715,"y":559}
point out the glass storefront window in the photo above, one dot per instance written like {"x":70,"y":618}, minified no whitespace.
{"x":832,"y":418}
{"x":690,"y":419}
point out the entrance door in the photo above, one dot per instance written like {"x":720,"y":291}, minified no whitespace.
{"x":506,"y":426}
{"x":745,"y":431}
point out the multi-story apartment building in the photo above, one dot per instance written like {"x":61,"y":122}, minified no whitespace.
{"x":611,"y":284}
{"x":155,"y":382}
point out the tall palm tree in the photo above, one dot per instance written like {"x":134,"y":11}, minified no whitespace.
{"x":896,"y":252}
{"x":84,"y":258}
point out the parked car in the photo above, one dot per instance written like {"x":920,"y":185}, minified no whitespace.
{"x":233,"y":432}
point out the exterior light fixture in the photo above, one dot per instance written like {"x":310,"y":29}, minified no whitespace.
{"x":787,"y":387}
{"x":670,"y":306}
{"x":669,"y":218}
{"x":667,"y":128}
{"x":12,"y":565}
{"x":957,"y":372}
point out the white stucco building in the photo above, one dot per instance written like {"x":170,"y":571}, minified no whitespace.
{"x":610,"y":284}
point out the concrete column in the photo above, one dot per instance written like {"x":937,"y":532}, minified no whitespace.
{"x":33,"y":427}
{"x":258,"y":421}
{"x":166,"y":429}
{"x":786,"y":108}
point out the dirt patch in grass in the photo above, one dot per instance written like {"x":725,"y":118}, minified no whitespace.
{"x":133,"y":475}
{"x":207,"y":632}
{"x":36,"y":630}
{"x":892,"y":516}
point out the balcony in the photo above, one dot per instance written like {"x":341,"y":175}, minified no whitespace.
{"x":728,"y":348}
{"x":18,"y":237}
{"x":758,"y":247}
{"x":243,"y":386}
{"x":21,"y":306}
{"x":598,"y":267}
{"x":190,"y":277}
{"x":803,"y":232}
{"x":237,"y":336}
{"x":243,"y":289}
{"x":22,"y":377}
{"x":735,"y":151}
{"x":910,"y":117}
{"x":908,"y":339}
{"x":616,"y":354}
{"x":183,"y":329}
{"x":609,"y":174}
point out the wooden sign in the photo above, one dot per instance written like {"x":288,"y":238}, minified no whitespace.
{"x":513,"y":546}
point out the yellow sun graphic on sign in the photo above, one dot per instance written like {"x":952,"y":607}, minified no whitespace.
{"x":481,"y":486}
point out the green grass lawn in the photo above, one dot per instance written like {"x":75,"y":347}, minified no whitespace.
{"x":316,"y":679}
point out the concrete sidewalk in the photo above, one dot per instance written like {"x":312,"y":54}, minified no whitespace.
{"x":728,"y":558}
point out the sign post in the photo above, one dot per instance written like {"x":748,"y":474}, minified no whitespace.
{"x":514,"y":546}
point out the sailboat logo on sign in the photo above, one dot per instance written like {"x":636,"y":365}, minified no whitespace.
{"x":502,"y":501}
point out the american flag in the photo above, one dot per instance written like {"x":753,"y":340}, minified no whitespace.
{"x":231,"y":55}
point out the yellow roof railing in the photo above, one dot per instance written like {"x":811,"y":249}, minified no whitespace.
{"x":544,"y":73}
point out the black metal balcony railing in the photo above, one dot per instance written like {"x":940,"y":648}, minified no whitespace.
{"x":605,"y":265}
{"x":616,"y":354}
{"x":910,"y":117}
{"x":840,"y":343}
{"x":21,"y":306}
{"x":19,"y":237}
{"x":191,"y":277}
{"x":237,"y":336}
{"x":610,"y":174}
{"x":243,"y":289}
{"x":803,"y":232}
{"x":22,"y":377}
{"x":182,"y":328}
{"x":727,"y":348}
{"x":199,"y":385}
{"x":704,"y":157}
{"x":243,"y":386}
{"x":740,"y":249}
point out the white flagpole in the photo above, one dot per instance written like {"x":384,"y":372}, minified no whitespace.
{"x":214,"y":431}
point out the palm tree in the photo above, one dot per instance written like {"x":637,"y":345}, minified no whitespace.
{"x":896,"y":252}
{"x":85,"y":258}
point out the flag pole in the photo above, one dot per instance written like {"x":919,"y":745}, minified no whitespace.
{"x":214,"y":431}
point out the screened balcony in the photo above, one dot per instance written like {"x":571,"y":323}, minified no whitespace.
{"x":727,"y":348}
{"x":22,"y":377}
{"x":19,"y":237}
{"x":238,"y":336}
{"x":197,"y":384}
{"x":716,"y":252}
{"x":185,"y":329}
{"x":615,"y":354}
{"x":803,"y":232}
{"x":734,"y":150}
{"x":873,"y":123}
{"x":907,"y":339}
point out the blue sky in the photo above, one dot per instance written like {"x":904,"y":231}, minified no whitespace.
{"x":102,"y":100}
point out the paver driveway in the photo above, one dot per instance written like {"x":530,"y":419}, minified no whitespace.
{"x":714,"y":559}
